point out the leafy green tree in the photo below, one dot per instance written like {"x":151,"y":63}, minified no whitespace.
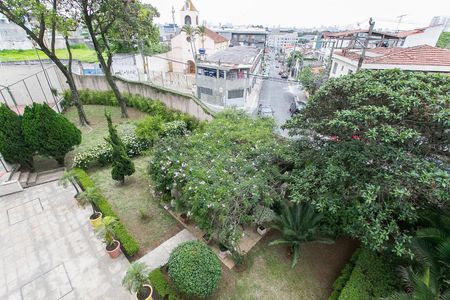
{"x":122,"y":165}
{"x":298,"y":223}
{"x":371,"y":162}
{"x":311,"y":81}
{"x":444,"y":40}
{"x":125,"y":22}
{"x":50,"y":133}
{"x":38,"y":18}
{"x":150,"y":128}
{"x":13,"y":146}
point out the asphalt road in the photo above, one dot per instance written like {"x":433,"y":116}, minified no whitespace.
{"x":279,"y":94}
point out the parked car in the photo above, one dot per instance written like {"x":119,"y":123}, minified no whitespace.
{"x":296,"y":107}
{"x":284,"y":75}
{"x":265,"y":111}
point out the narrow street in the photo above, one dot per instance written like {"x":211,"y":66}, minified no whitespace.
{"x":278,"y":93}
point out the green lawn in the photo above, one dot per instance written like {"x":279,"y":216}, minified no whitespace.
{"x":142,"y":215}
{"x":98,"y":128}
{"x":268,"y":274}
{"x":85,"y":55}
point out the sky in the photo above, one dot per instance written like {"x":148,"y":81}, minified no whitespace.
{"x":312,"y":13}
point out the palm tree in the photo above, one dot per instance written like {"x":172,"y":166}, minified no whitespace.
{"x":298,"y":223}
{"x":69,"y":177}
{"x":90,"y":196}
{"x":420,"y":287}
{"x":190,"y":37}
{"x":201,"y":31}
{"x":136,"y":277}
{"x":106,"y":230}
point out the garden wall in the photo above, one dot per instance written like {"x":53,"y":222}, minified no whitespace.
{"x":182,"y":102}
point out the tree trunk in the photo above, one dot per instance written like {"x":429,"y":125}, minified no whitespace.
{"x":120,"y":99}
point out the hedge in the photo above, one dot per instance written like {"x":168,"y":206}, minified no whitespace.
{"x":342,"y":280}
{"x":372,"y":277}
{"x":161,"y":286}
{"x":129,"y":244}
{"x":149,"y":106}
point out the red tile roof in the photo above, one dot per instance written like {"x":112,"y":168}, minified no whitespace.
{"x":419,"y":55}
{"x":217,"y":38}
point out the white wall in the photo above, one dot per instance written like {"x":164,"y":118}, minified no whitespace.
{"x":13,"y":37}
{"x":342,"y":67}
{"x":429,"y":37}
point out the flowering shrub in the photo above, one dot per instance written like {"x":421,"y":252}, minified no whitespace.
{"x":101,"y":154}
{"x":220,"y":173}
{"x":174,"y":128}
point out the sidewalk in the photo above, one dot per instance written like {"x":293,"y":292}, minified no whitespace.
{"x":160,"y":255}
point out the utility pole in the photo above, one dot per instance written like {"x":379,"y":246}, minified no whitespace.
{"x":366,"y":43}
{"x":400,"y":18}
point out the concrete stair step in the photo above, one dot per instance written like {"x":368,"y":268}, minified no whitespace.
{"x":23,"y":178}
{"x":32,"y":179}
{"x":15,"y":176}
{"x":48,"y":176}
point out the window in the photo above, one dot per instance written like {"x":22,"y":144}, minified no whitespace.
{"x":342,"y":68}
{"x":235,"y":94}
{"x":187,"y":20}
{"x":335,"y":67}
{"x":203,"y":90}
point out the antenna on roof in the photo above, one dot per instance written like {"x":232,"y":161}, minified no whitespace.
{"x":400,"y":20}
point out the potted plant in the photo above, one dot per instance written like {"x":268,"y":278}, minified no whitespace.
{"x":69,"y":177}
{"x":106,"y":232}
{"x":136,"y":281}
{"x":263,"y":215}
{"x":207,"y":238}
{"x":91,"y":196}
{"x":223,"y":250}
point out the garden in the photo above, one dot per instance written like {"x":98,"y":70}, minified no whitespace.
{"x":378,"y":183}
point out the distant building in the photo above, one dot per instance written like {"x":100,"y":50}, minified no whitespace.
{"x":167,"y":32}
{"x":226,"y":78}
{"x":12,"y":36}
{"x":280,"y":40}
{"x":441,"y":20}
{"x":254,"y":37}
{"x":419,"y":58}
{"x":182,"y":58}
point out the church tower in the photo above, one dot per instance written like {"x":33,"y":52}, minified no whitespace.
{"x":189,"y":14}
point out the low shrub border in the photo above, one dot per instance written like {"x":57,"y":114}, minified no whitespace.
{"x":369,"y":276}
{"x":129,"y":244}
{"x":342,"y":280}
{"x":161,"y":286}
{"x":149,"y":106}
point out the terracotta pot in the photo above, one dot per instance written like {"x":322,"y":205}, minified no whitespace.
{"x":113,"y":253}
{"x":95,"y":222}
{"x":149,"y":297}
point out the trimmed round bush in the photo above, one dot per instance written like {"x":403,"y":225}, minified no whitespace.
{"x":194,"y":269}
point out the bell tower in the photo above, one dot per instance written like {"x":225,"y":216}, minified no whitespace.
{"x":189,"y":14}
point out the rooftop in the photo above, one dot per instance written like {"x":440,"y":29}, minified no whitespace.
{"x":217,"y":38}
{"x":241,"y":55}
{"x":418,"y":55}
{"x":188,"y":6}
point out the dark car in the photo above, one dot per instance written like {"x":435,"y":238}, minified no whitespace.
{"x":284,"y":75}
{"x":296,"y":107}
{"x":265,"y":111}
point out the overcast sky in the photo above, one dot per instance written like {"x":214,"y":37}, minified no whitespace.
{"x":312,"y":13}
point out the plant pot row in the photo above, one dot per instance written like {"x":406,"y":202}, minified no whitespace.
{"x":113,"y":247}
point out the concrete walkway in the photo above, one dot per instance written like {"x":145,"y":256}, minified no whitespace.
{"x":48,"y":249}
{"x":160,"y":256}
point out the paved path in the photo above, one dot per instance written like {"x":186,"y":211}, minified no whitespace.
{"x":160,"y":256}
{"x":49,"y":251}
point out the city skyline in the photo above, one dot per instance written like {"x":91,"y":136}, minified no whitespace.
{"x":287,"y":13}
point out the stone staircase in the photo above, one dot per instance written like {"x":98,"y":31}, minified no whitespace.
{"x":16,"y":181}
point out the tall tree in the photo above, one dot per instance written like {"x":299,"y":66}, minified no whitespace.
{"x":190,"y":37}
{"x":122,"y":165}
{"x":35,"y":17}
{"x":122,"y":21}
{"x":201,"y":31}
{"x":376,"y":154}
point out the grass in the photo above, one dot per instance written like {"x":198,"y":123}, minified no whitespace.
{"x":141,"y":214}
{"x":98,"y":128}
{"x":268,"y":273}
{"x":83,"y":54}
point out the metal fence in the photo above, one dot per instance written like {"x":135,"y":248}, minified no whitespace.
{"x":45,"y":86}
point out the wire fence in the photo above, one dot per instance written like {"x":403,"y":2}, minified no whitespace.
{"x":46,"y":86}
